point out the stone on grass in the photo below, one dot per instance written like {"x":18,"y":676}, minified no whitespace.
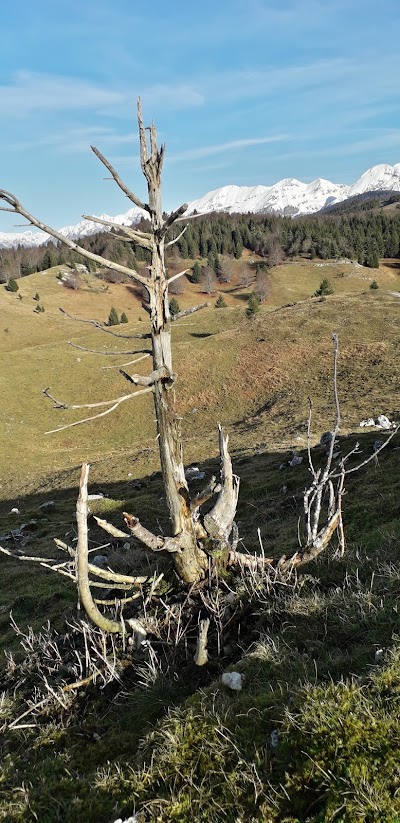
{"x":234,"y":680}
{"x":383,"y":422}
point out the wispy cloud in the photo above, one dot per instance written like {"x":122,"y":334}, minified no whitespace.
{"x":76,"y":140}
{"x":220,"y":148}
{"x":30,"y":91}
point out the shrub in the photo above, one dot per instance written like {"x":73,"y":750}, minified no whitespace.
{"x":220,"y":303}
{"x":253,"y":305}
{"x":324,"y":288}
{"x":36,"y":296}
{"x":124,"y":318}
{"x":374,"y":285}
{"x":12,"y":285}
{"x":174,"y":307}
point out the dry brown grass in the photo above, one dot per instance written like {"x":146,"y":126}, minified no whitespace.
{"x":253,"y":375}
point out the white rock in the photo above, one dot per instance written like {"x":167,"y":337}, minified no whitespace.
{"x":14,"y":511}
{"x":368,"y":422}
{"x":132,"y":819}
{"x":383,"y":422}
{"x":234,"y":680}
{"x":194,"y":473}
{"x":95,"y":496}
{"x":274,"y":739}
{"x":378,"y":655}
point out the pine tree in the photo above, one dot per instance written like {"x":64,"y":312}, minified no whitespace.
{"x":220,"y":303}
{"x":372,"y":259}
{"x":196,"y":273}
{"x":113,"y":318}
{"x":253,"y":306}
{"x":124,"y":318}
{"x":324,"y":288}
{"x":12,"y":285}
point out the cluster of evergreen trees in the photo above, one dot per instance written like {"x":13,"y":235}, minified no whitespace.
{"x":365,"y":236}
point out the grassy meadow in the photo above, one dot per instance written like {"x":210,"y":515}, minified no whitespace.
{"x":313,"y":736}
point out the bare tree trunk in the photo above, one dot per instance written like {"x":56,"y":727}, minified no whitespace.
{"x":193,"y":537}
{"x":191,"y":562}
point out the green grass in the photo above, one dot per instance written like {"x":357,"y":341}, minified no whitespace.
{"x":175,"y":744}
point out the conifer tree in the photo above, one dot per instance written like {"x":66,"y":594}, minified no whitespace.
{"x":174,"y":307}
{"x":113,"y":317}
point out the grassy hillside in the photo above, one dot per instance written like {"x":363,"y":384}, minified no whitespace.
{"x":313,"y":735}
{"x":257,"y":363}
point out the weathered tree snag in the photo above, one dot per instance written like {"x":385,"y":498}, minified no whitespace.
{"x":219,"y":521}
{"x":191,"y":539}
{"x":198,"y":543}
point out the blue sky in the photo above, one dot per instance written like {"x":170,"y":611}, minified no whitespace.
{"x":242,"y":91}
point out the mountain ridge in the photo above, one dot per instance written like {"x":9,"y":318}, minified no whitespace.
{"x":287,"y":197}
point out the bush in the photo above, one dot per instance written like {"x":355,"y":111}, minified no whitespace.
{"x":324,"y":288}
{"x":372,"y":260}
{"x":374,"y":285}
{"x":220,"y":303}
{"x":253,"y":305}
{"x":39,"y":309}
{"x":36,"y":296}
{"x":174,"y":307}
{"x":12,"y":285}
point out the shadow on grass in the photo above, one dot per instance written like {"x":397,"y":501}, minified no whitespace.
{"x":327,"y":628}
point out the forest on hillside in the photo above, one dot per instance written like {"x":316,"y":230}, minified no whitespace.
{"x":366,"y":237}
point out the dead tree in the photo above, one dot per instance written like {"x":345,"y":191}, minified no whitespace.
{"x":193,"y":538}
{"x":199,"y":542}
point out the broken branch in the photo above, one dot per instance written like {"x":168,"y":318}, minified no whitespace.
{"x":119,"y":181}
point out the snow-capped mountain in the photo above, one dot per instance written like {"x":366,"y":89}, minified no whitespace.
{"x":379,"y":178}
{"x":292,"y":197}
{"x":82,"y":229}
{"x":288,"y":197}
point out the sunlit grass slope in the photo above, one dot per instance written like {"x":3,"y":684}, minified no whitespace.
{"x":255,"y":375}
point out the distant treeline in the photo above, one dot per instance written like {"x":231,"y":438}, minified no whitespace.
{"x":365,"y":237}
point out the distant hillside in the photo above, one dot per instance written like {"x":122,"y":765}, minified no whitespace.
{"x":367,"y":201}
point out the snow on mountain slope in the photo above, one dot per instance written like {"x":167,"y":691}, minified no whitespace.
{"x":287,"y":197}
{"x":83,"y":229}
{"x":379,"y":178}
